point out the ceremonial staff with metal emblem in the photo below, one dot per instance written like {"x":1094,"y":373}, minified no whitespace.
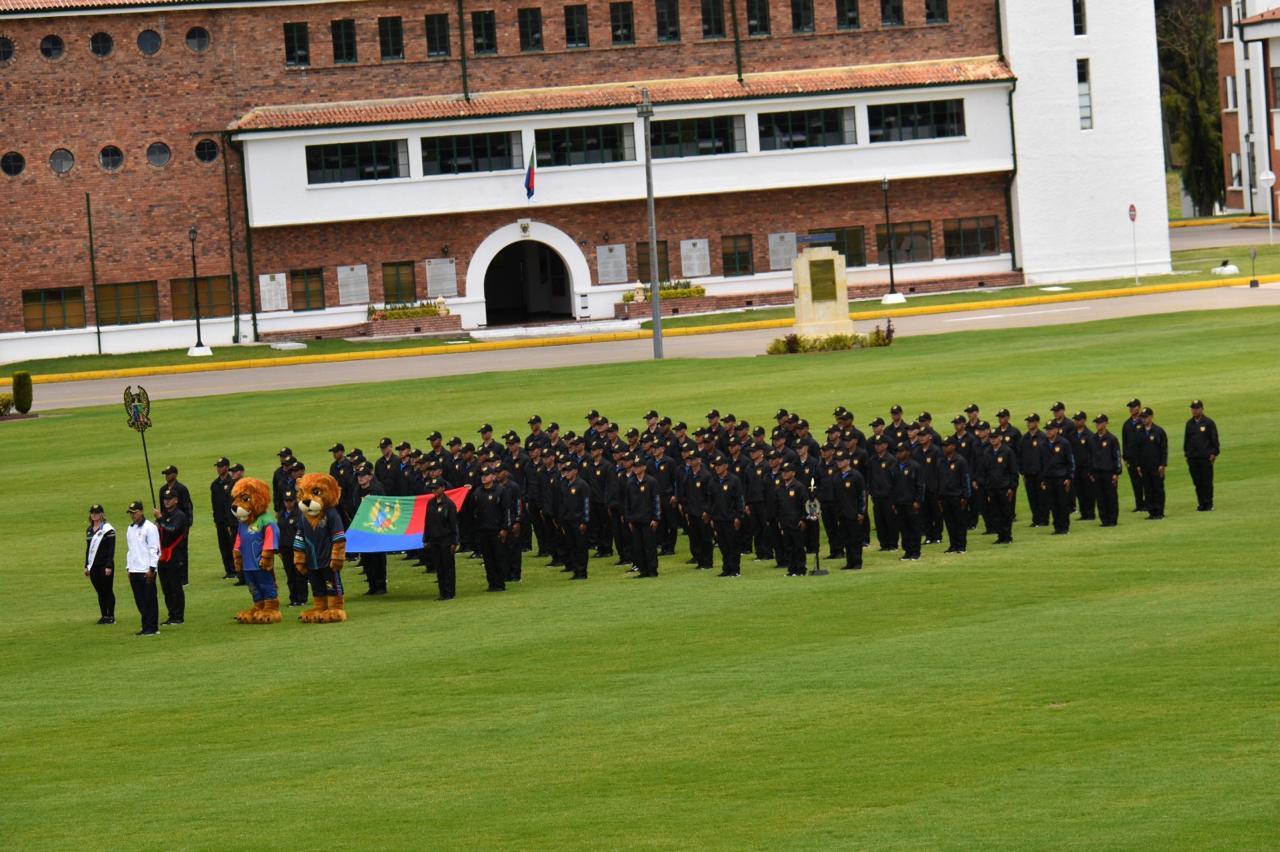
{"x":813,"y":514}
{"x":138,"y":407}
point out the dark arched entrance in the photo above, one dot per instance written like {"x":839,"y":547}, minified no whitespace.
{"x":526,"y":282}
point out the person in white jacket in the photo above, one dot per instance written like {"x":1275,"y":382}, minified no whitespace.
{"x":144,"y":555}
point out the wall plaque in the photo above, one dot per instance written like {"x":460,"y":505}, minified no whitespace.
{"x":442,"y":277}
{"x":273,"y":292}
{"x":611,"y":264}
{"x":695,"y":258}
{"x":782,"y":250}
{"x":353,"y":285}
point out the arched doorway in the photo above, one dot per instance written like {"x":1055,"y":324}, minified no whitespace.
{"x":527,"y":281}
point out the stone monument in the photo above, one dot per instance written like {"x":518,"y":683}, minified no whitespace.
{"x":822,"y":294}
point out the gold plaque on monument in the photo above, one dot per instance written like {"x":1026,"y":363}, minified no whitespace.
{"x":822,"y":294}
{"x":822,"y":280}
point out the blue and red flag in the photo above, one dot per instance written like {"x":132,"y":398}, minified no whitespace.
{"x":529,"y":175}
{"x":391,"y":524}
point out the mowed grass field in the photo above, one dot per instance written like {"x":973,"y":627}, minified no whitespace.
{"x":1107,"y":689}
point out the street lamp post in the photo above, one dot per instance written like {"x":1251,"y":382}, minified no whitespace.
{"x":893,"y":297}
{"x":199,"y":349}
{"x":645,"y":111}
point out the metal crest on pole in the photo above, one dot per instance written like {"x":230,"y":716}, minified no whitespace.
{"x":137,"y":405}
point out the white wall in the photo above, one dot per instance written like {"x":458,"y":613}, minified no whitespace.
{"x":279,"y":193}
{"x":1253,"y":62}
{"x":1073,"y":187}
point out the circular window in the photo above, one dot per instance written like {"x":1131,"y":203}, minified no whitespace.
{"x":158,"y":154}
{"x":12,"y":164}
{"x":198,"y":39}
{"x":149,"y":42}
{"x":61,"y":161}
{"x":6,"y":48}
{"x":206,"y":150}
{"x":111,"y":158}
{"x":51,"y":47}
{"x":101,"y":44}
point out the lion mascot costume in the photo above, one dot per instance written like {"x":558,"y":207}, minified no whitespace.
{"x":320,"y":547}
{"x":257,"y":541}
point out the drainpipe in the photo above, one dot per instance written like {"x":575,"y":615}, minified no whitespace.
{"x":1008,"y":186}
{"x":462,"y":52}
{"x":737,"y":38}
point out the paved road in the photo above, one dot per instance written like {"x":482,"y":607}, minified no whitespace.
{"x":1214,"y":236}
{"x":733,"y":344}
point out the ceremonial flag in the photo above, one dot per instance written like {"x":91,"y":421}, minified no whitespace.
{"x":528,"y":176}
{"x":390,"y":524}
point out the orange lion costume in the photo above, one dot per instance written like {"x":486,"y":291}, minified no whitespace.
{"x":257,"y":541}
{"x":320,"y":547}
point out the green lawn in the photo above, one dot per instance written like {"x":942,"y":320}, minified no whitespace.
{"x":1108,"y":689}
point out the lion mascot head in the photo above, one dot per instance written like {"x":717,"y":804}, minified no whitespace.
{"x":317,"y":492}
{"x":250,"y":499}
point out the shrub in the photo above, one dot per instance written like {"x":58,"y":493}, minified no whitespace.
{"x":795,"y":343}
{"x":22,"y":391}
{"x":667,"y":290}
{"x":395,"y":312}
{"x":6,"y":404}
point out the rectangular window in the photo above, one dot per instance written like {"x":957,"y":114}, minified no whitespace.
{"x":1227,"y":33}
{"x":813,"y":128}
{"x":297,"y":51}
{"x":847,"y":15}
{"x":215,"y":297}
{"x":127,"y":304}
{"x":976,"y":237}
{"x":642,"y":262}
{"x":306,"y":289}
{"x":398,"y":286}
{"x":1275,"y":88}
{"x":622,"y":23}
{"x":1086,"y":94}
{"x":575,"y":27}
{"x":758,"y":17}
{"x":348,"y":161}
{"x":736,"y":252}
{"x":1235,"y":171}
{"x":530,"y":21}
{"x":912,"y":243}
{"x":344,"y":41}
{"x":1248,"y":100}
{"x":484,"y":32}
{"x":801,"y":16}
{"x":437,"y":35}
{"x":713,"y":18}
{"x":391,"y":38}
{"x":668,"y":18}
{"x":698,"y":137}
{"x":916,"y":120}
{"x":1228,"y":82}
{"x":574,"y":146}
{"x":45,"y":310}
{"x":935,"y":11}
{"x":891,"y":13}
{"x":850,"y":242}
{"x":476,"y":152}
{"x":1080,"y":23}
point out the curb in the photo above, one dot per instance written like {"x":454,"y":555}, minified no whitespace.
{"x":643,"y":334}
{"x":1221,"y":220}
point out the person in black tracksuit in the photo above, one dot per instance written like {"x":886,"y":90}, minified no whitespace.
{"x":1130,"y":442}
{"x":1081,"y":440}
{"x":1030,"y":452}
{"x":1104,"y":471}
{"x":574,"y":507}
{"x":792,"y":495}
{"x":642,"y":509}
{"x":172,"y":525}
{"x":493,"y":525}
{"x":100,"y":562}
{"x":1153,"y":458}
{"x":757,"y":491}
{"x":1057,"y":469}
{"x":375,"y":564}
{"x":907,"y":495}
{"x":513,"y":547}
{"x":282,"y":477}
{"x":955,"y":489}
{"x":663,"y":470}
{"x":287,"y":519}
{"x":880,"y":487}
{"x":440,"y":538}
{"x":1001,"y":477}
{"x":172,"y":484}
{"x":726,"y":510}
{"x":694,"y":500}
{"x":827,"y":500}
{"x":1201,"y":448}
{"x":224,"y":520}
{"x":850,"y":493}
{"x":598,"y":477}
{"x":929,"y":456}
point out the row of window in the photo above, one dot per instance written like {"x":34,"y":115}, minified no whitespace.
{"x":103,"y":44}
{"x":110,"y":158}
{"x":622,"y":30}
{"x":611,"y":143}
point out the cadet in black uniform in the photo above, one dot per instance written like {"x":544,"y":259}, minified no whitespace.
{"x":1030,"y":463}
{"x":1081,"y":441}
{"x":1012,"y":437}
{"x":880,"y":486}
{"x":663,"y":472}
{"x":1057,"y":469}
{"x":696,"y":487}
{"x":224,"y":520}
{"x":512,"y":548}
{"x":1104,"y":471}
{"x":184,"y":505}
{"x":1153,"y":458}
{"x":850,"y":492}
{"x":726,"y":510}
{"x":1001,"y":476}
{"x":929,"y":457}
{"x":573,"y":516}
{"x":955,"y":487}
{"x":1130,"y":443}
{"x":375,"y":564}
{"x":172,"y":524}
{"x":340,"y":469}
{"x":100,"y":561}
{"x":828,"y":471}
{"x":281,"y":479}
{"x":387,"y":470}
{"x":792,"y":495}
{"x":907,"y":492}
{"x":642,"y":508}
{"x":493,"y":525}
{"x":287,"y":519}
{"x":1200,"y":446}
{"x":440,"y":538}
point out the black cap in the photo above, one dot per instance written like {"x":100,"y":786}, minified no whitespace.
{"x":950,"y":442}
{"x":435,"y":436}
{"x":650,"y":414}
{"x":713,"y":413}
{"x":879,"y":421}
{"x":222,"y":462}
{"x":1052,"y":424}
{"x":982,"y":425}
{"x":338,"y":448}
{"x":135,"y":506}
{"x":1195,"y":403}
{"x":357,"y":452}
{"x":168,"y":494}
{"x":485,"y":428}
{"x":841,"y":455}
{"x":1135,"y":403}
{"x":1101,"y":418}
{"x":833,"y":429}
{"x":1079,"y":415}
{"x":924,"y":415}
{"x":455,"y":441}
{"x":404,"y":445}
{"x":385,"y":442}
{"x":1004,"y":412}
{"x":913,"y":426}
{"x":772,"y":454}
{"x":840,"y":411}
{"x":513,"y":438}
{"x":239,"y":468}
{"x":364,"y":470}
{"x":788,"y":466}
{"x":553,"y":426}
{"x":759,"y":430}
{"x":534,"y":419}
{"x":1058,"y":406}
{"x":959,"y":419}
{"x":468,"y":447}
{"x":897,"y":409}
{"x":96,"y":507}
{"x":612,"y":427}
{"x":681,"y":426}
{"x":633,"y":432}
{"x":566,"y":464}
{"x":665,"y":421}
{"x":802,"y":424}
{"x":169,"y":469}
{"x":781,"y":413}
{"x":1146,"y":412}
{"x":719,"y":459}
{"x":971,"y":408}
{"x":284,"y":452}
{"x":592,"y":414}
{"x":1032,"y":417}
{"x":742,"y":424}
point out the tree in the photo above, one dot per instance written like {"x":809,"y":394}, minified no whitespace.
{"x":1189,"y":94}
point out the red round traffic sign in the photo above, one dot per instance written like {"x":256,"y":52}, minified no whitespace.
{"x":1133,"y":212}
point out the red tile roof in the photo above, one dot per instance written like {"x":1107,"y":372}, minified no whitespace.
{"x":1260,"y":18}
{"x":679,"y":91}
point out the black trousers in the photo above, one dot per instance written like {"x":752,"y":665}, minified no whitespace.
{"x":375,"y":570}
{"x":669,"y":527}
{"x":144,"y":597}
{"x":622,"y":537}
{"x":491,"y":552}
{"x":791,"y":549}
{"x":226,"y":544}
{"x":730,"y":556}
{"x":538,"y":528}
{"x":931,"y":517}
{"x":977,"y":505}
{"x":1153,"y":490}
{"x":835,"y":542}
{"x":1108,"y":502}
{"x":513,"y":556}
{"x":175,"y":598}
{"x":908,"y":521}
{"x":575,"y":549}
{"x":1202,"y":479}
{"x":757,"y":533}
{"x":1086,"y":499}
{"x":1058,"y":500}
{"x":1135,"y":480}
{"x":1000,"y":503}
{"x":644,"y":543}
{"x":886,"y":522}
{"x":1036,"y":500}
{"x":955,"y":513}
{"x":852,"y":540}
{"x":700,"y":541}
{"x":325,"y":582}
{"x":599,"y":531}
{"x":440,"y":559}
{"x":102,"y":584}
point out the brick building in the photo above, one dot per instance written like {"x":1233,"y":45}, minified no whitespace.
{"x":1247,"y":94}
{"x":331,"y":156}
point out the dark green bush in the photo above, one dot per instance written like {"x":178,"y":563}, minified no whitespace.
{"x":22,"y":391}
